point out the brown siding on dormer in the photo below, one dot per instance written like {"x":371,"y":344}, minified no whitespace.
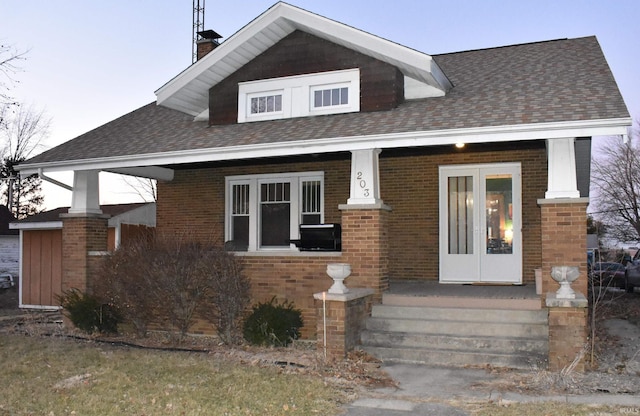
{"x":381,"y":84}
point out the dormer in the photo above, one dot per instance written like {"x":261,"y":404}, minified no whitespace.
{"x":288,"y":53}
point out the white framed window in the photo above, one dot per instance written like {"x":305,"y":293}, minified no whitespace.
{"x":299,"y":96}
{"x":329,"y":96}
{"x":264,"y":212}
{"x":268,"y":103}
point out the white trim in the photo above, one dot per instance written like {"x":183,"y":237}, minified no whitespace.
{"x":45,"y":225}
{"x":524,"y":132}
{"x":297,"y":97}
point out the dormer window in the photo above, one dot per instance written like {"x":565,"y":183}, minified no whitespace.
{"x":268,"y":103}
{"x":299,"y":96}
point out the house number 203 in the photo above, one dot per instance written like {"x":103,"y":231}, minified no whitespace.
{"x":362,"y":184}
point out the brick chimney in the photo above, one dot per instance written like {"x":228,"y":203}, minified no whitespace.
{"x":208,"y":41}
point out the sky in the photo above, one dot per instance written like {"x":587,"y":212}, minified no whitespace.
{"x":89,"y":62}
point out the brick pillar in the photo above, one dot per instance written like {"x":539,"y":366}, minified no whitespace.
{"x":564,"y":240}
{"x":365,"y":245}
{"x":340,"y":318}
{"x":84,"y":239}
{"x":567,"y":336}
{"x":564,"y":243}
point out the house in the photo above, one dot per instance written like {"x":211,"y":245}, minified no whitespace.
{"x":41,"y":248}
{"x":9,"y":243}
{"x":457,"y":169}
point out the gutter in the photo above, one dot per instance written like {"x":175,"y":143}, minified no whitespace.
{"x":537,"y":131}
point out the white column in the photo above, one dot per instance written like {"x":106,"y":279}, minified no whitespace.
{"x":86,"y":192}
{"x":561,"y":161}
{"x":365,"y":178}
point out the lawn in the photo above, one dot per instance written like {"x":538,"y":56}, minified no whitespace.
{"x":56,"y":376}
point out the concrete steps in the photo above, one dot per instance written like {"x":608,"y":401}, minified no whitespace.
{"x":458,"y":336}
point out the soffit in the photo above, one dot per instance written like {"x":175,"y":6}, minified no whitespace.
{"x":189,"y":91}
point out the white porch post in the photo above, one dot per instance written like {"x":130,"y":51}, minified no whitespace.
{"x":562,"y":182}
{"x":86,"y":193}
{"x":365,"y":178}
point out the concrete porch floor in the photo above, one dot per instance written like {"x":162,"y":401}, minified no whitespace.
{"x":430,"y":293}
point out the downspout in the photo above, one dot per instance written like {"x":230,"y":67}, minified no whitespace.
{"x":42,"y":176}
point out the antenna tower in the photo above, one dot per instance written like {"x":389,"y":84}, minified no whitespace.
{"x":198,"y":26}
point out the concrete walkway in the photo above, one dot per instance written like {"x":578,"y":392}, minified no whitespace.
{"x":424,"y":390}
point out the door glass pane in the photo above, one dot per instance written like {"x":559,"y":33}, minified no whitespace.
{"x":460,"y":206}
{"x":499,"y":211}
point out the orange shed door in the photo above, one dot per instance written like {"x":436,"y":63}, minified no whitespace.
{"x":41,"y":276}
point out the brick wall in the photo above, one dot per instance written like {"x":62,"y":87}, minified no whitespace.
{"x":193,"y":205}
{"x":409,"y":184}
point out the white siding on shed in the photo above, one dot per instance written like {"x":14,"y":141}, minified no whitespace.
{"x":9,"y":254}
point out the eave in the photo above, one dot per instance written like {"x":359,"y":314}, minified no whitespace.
{"x":524,"y":132}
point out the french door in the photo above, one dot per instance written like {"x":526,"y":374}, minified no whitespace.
{"x":481,"y":224}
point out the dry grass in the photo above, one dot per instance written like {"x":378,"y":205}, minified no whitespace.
{"x":47,"y":376}
{"x":546,"y":409}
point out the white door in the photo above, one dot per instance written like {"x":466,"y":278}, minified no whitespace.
{"x":481,"y":224}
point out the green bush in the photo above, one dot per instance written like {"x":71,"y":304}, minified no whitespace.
{"x":87,"y":313}
{"x":273,"y":324}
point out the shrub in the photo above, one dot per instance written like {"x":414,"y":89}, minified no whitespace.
{"x":152,"y":280}
{"x":123,"y":282}
{"x":273,"y":324}
{"x":227,"y":296}
{"x":87,"y":313}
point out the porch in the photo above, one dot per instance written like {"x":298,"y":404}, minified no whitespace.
{"x":435,"y":294}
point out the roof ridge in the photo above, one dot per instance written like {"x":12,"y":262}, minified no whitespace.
{"x":512,"y":45}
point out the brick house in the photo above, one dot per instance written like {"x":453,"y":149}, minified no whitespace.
{"x":454,"y":169}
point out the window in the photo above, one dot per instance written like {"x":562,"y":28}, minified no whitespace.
{"x":265,"y":211}
{"x":299,"y":96}
{"x":330,"y":97}
{"x":265,"y":104}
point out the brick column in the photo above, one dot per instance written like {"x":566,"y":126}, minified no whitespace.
{"x":567,"y":335}
{"x":564,"y":240}
{"x":339,"y":320}
{"x":365,"y":246}
{"x":84,"y":238}
{"x":564,"y":243}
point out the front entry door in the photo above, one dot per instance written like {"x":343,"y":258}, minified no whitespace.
{"x":480,"y":224}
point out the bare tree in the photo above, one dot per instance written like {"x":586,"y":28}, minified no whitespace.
{"x":9,"y":66}
{"x":145,"y":188}
{"x":21,"y":136}
{"x":616,"y":180}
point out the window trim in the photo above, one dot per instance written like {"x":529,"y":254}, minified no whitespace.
{"x":295,"y":179}
{"x":297,"y":96}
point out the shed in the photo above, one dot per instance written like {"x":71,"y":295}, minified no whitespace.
{"x":40,"y":255}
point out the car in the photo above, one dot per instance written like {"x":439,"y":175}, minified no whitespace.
{"x":632,"y":273}
{"x":608,"y":274}
{"x":6,"y":281}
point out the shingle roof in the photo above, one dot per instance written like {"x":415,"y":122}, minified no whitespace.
{"x":54,"y":214}
{"x":544,"y":82}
